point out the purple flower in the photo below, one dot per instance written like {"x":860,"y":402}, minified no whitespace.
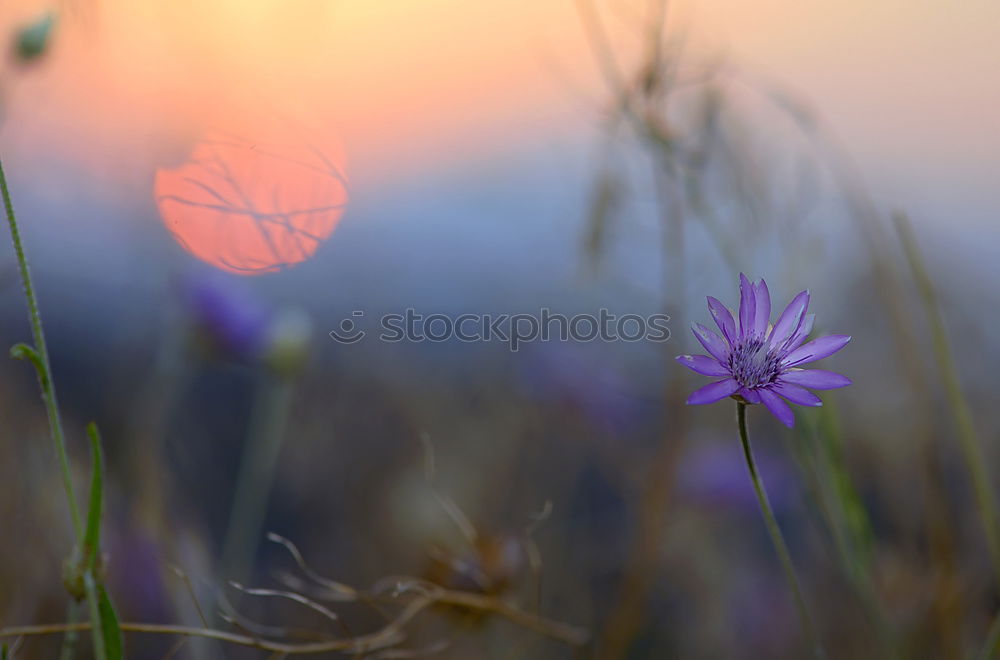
{"x":759,"y":363}
{"x":227,"y":315}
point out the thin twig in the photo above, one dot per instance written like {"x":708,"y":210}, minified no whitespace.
{"x":387,"y":636}
{"x":343,"y":592}
{"x":298,"y":598}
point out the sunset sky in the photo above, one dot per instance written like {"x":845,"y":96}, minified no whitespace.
{"x":129,"y":89}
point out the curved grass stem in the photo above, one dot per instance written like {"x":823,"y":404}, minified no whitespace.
{"x":972,"y":452}
{"x":43,"y":367}
{"x":87,"y":541}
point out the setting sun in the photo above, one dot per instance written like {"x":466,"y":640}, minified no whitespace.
{"x":253,"y":204}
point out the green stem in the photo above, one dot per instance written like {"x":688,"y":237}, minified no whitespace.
{"x":87,"y":542}
{"x":68,"y":648}
{"x":45,"y":371}
{"x":968,"y":440}
{"x":776,"y":537}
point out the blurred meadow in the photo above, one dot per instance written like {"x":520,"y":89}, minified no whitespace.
{"x":204,"y":191}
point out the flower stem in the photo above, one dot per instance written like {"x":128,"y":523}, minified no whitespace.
{"x":776,"y":537}
{"x":256,"y":476}
{"x":45,"y":381}
{"x":68,"y":648}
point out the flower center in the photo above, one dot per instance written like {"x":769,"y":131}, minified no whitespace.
{"x":752,"y":365}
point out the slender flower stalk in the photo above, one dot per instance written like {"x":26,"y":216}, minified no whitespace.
{"x":39,"y":355}
{"x":285,"y":355}
{"x":775,"y":532}
{"x":255,"y":477}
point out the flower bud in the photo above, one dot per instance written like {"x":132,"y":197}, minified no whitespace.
{"x":290,"y":335}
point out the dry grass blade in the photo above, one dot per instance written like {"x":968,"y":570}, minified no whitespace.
{"x":400,"y":654}
{"x":295,"y":597}
{"x":338,"y":590}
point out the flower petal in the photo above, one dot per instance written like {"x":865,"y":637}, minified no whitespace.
{"x":748,"y":307}
{"x":790,"y":320}
{"x":763,"y":312}
{"x":817,"y":349}
{"x":704,"y":365}
{"x":799,"y":336}
{"x":797,"y":394}
{"x":751,"y":396}
{"x":713,"y":392}
{"x":724,"y":319}
{"x":818,"y":379}
{"x":777,"y":407}
{"x":712,"y":342}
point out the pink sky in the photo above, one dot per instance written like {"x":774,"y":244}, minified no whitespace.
{"x":911,"y":86}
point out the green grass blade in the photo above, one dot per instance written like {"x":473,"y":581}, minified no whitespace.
{"x":96,"y":622}
{"x":968,"y":438}
{"x":106,"y":631}
{"x":92,"y":536}
{"x":25,"y":352}
{"x":114,"y":647}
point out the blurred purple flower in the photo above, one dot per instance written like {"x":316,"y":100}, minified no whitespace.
{"x":587,"y":379}
{"x":136,"y":575}
{"x":232,"y":321}
{"x":759,"y":363}
{"x":714,"y":476}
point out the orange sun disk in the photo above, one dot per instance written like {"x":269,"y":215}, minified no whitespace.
{"x":253,"y":207}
